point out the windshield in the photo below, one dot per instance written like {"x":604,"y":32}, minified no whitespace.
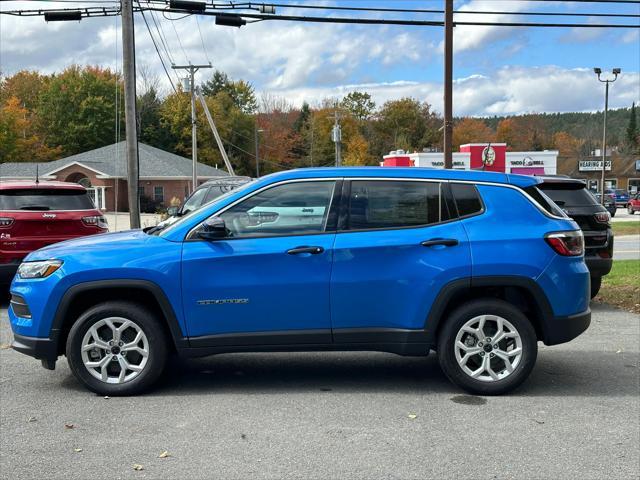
{"x":161,"y":232}
{"x":45,"y":199}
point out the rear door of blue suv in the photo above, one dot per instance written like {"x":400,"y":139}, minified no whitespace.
{"x":476,"y":266}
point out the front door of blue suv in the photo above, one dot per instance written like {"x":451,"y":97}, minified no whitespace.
{"x":268,"y":278}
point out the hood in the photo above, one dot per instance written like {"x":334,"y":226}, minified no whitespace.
{"x":117,"y":241}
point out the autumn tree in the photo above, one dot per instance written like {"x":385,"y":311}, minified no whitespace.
{"x":18,"y":140}
{"x":78,"y":109}
{"x":567,"y":144}
{"x":471,"y":130}
{"x":359,"y":105}
{"x":407,"y":124}
{"x":241,"y":92}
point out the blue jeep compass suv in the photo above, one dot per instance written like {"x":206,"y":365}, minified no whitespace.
{"x":477,"y":266}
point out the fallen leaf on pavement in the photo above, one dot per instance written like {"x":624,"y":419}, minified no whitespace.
{"x":68,"y":426}
{"x":243,"y":436}
{"x":164,"y":454}
{"x":539,"y":422}
{"x":32,"y":419}
{"x":138,"y":467}
{"x":77,"y":450}
{"x":619,"y":350}
{"x":412,"y":416}
{"x":107,"y":397}
{"x":5,"y":346}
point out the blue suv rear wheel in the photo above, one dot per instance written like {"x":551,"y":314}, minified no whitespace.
{"x":487,"y":347}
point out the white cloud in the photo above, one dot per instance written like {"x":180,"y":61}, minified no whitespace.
{"x":509,"y":90}
{"x":469,"y":37}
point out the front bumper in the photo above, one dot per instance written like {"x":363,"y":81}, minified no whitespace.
{"x":564,"y":329}
{"x":44,"y":349}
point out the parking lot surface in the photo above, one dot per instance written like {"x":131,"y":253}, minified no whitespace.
{"x":332,"y":415}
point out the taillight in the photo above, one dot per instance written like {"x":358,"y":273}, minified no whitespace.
{"x":6,"y":222}
{"x":96,"y":221}
{"x":602,"y":217}
{"x":568,"y":244}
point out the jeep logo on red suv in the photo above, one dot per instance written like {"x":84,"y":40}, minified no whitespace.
{"x":49,"y":215}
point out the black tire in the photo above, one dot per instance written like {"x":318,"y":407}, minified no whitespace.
{"x":468,"y":311}
{"x":146,"y":321}
{"x":613,"y":213}
{"x":596,"y":283}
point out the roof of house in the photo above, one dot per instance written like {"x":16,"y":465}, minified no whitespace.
{"x":111,"y":161}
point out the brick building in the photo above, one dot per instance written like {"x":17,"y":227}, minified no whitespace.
{"x":163,"y":175}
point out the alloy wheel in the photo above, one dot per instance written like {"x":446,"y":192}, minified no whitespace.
{"x":488,"y":348}
{"x":115,"y":350}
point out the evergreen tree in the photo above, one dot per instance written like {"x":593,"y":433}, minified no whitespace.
{"x":632,"y":130}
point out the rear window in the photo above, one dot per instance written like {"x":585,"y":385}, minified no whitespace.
{"x":395,"y":204}
{"x":568,"y":195}
{"x":45,"y":199}
{"x":545,"y":202}
{"x":467,"y":199}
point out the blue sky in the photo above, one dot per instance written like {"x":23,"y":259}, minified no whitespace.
{"x":498,"y":70}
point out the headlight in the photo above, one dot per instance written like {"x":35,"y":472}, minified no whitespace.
{"x":40,"y":269}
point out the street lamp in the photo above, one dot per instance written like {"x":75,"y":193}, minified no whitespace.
{"x":257,"y":132}
{"x":606,"y":81}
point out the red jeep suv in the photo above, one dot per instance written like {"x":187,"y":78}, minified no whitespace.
{"x":36,"y":214}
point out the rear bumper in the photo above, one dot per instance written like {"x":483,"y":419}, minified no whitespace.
{"x":598,"y":266}
{"x":564,"y":329}
{"x":7,"y":272}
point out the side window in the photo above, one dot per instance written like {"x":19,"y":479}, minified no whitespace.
{"x":215,"y":191}
{"x":289,"y":209}
{"x":467,"y":199}
{"x":194,"y":201}
{"x":395,"y":204}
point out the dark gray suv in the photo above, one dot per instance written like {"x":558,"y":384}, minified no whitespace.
{"x":573,"y":197}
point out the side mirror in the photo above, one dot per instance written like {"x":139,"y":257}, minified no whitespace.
{"x":173,"y":211}
{"x":213,"y":228}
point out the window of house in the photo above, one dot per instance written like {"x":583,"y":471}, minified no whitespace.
{"x":158,"y":194}
{"x":634,"y":185}
{"x":395,"y":204}
{"x":288,"y":209}
{"x":141,"y":190}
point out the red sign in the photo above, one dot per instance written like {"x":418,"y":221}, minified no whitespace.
{"x":490,"y":157}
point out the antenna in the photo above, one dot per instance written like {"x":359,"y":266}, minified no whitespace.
{"x":37,"y":175}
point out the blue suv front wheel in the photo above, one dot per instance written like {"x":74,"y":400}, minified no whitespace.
{"x":487,"y":347}
{"x":117,"y":348}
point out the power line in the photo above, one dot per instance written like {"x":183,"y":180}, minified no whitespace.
{"x":178,"y":37}
{"x":157,"y":50}
{"x":424,"y":23}
{"x":420,"y":10}
{"x":202,"y":41}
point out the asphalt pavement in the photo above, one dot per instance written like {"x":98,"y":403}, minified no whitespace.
{"x":332,"y":415}
{"x":626,"y":247}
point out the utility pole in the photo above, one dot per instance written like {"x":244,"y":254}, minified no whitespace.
{"x":448,"y":84}
{"x":129,"y":72}
{"x":192,"y":69}
{"x":598,"y":72}
{"x":336,"y":136}
{"x":257,"y":134}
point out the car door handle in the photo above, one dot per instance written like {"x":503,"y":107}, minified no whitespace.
{"x":311,"y":250}
{"x":447,"y":242}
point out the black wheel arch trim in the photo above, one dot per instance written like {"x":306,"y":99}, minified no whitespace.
{"x":179,"y":340}
{"x":448,"y":292}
